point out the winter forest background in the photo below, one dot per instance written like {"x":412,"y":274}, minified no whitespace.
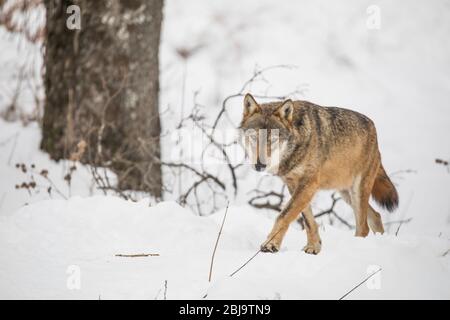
{"x":112,"y":146}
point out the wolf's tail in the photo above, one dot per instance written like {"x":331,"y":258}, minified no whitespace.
{"x":384,"y":191}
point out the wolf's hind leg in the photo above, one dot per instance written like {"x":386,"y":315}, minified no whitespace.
{"x":360,"y":194}
{"x":373,"y":217}
{"x":374,"y":220}
{"x":314,"y":243}
{"x":359,"y":202}
{"x":345,"y":194}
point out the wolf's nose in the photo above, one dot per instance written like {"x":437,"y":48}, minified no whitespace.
{"x":259,"y":166}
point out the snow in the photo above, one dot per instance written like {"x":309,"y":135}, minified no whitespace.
{"x":42,"y":242}
{"x":398,"y":75}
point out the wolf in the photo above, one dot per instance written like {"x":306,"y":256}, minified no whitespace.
{"x":312,"y":148}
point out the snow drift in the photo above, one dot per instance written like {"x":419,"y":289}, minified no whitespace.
{"x":43,"y":244}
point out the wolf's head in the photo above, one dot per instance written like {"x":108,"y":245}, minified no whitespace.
{"x":266,"y":130}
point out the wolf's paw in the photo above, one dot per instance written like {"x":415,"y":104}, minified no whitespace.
{"x":270,"y":247}
{"x":312,"y":248}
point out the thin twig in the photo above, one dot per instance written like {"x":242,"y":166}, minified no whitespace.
{"x":55,"y":187}
{"x":444,"y":163}
{"x":400,"y":224}
{"x":329,"y":211}
{"x":359,"y":284}
{"x":256,"y":74}
{"x":157,"y":294}
{"x":13,"y":148}
{"x":342,"y":220}
{"x":137,"y":255}
{"x":398,"y":221}
{"x":252,"y":257}
{"x":267,"y":204}
{"x":165,"y":289}
{"x":217,"y":242}
{"x":197,"y":172}
{"x":404,"y":213}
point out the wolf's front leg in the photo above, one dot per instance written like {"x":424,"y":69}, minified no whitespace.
{"x":298,"y":202}
{"x":314,"y":243}
{"x":275,"y":237}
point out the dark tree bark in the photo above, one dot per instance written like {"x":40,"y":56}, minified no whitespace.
{"x":102,"y":87}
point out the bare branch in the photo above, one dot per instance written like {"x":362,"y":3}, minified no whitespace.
{"x":253,"y":256}
{"x":137,"y":255}
{"x":359,"y":284}
{"x":217,"y":242}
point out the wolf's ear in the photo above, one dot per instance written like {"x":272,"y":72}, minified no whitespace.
{"x":286,"y":110}
{"x":250,"y":105}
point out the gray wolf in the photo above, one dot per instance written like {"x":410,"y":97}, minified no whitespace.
{"x":314,"y":148}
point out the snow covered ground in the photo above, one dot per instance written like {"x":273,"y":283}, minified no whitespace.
{"x":66,"y":249}
{"x":399,"y":75}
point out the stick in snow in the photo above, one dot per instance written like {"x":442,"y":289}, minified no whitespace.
{"x":359,"y":284}
{"x":217,"y":242}
{"x":138,"y":255}
{"x":252,"y":257}
{"x":165,"y":289}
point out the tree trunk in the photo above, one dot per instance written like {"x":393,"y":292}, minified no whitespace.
{"x":102,"y":87}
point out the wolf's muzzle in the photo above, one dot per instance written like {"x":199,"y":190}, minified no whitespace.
{"x":259,"y":166}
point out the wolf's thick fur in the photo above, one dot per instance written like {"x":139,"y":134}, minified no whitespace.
{"x":319,"y":148}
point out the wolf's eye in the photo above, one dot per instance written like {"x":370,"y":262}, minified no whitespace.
{"x":253,"y":138}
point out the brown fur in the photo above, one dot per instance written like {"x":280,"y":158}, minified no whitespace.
{"x":323,"y":148}
{"x":384,"y":192}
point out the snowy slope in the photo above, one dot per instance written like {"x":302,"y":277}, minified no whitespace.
{"x":42,"y":242}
